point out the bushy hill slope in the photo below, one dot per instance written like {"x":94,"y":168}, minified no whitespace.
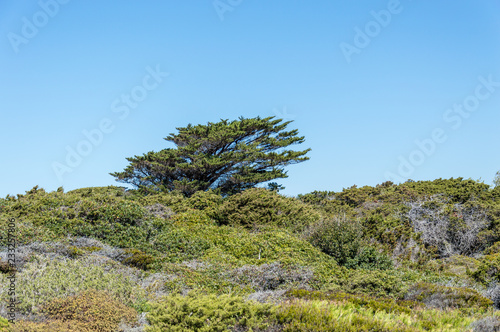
{"x":418,"y":256}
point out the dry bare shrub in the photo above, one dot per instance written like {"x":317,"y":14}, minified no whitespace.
{"x":409,"y":250}
{"x":269,"y":277}
{"x":272,"y":296}
{"x":493,"y":293}
{"x":488,"y":324}
{"x":160,"y":211}
{"x":452,"y":229}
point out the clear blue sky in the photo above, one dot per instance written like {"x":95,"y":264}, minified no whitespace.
{"x":362,"y":80}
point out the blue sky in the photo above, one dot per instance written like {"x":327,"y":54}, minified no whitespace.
{"x":382,"y":90}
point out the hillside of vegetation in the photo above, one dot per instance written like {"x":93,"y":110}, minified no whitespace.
{"x":418,"y":256}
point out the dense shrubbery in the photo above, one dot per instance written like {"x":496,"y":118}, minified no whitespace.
{"x":488,"y":269}
{"x":255,"y":207}
{"x":264,"y":246}
{"x":199,"y":312}
{"x":338,"y":238}
{"x":342,"y":239}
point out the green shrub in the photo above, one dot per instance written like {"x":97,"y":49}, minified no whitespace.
{"x":181,"y":243}
{"x":369,"y":258}
{"x":494,"y":249}
{"x":124,"y":212}
{"x":4,"y":325}
{"x":75,"y":252}
{"x":169,"y":199}
{"x":199,"y":312}
{"x":488,"y":269}
{"x":99,"y":192}
{"x":258,"y":206}
{"x":372,"y":282}
{"x":138,"y":259}
{"x":340,"y":239}
{"x":207,"y":201}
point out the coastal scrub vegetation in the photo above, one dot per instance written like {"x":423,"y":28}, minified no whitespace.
{"x":197,"y":246}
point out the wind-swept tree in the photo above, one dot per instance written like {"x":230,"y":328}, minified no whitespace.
{"x":227,"y":156}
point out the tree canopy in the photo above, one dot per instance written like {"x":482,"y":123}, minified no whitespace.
{"x":227,"y":156}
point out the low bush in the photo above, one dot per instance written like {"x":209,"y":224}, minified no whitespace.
{"x":85,"y":312}
{"x":488,"y":270}
{"x":338,"y":238}
{"x":45,"y":279}
{"x":258,"y":206}
{"x":296,"y":316}
{"x":442,"y":297}
{"x":346,"y":316}
{"x":138,"y":259}
{"x":372,"y":282}
{"x":199,"y":312}
{"x":272,"y":276}
{"x":494,"y":249}
{"x":369,"y":258}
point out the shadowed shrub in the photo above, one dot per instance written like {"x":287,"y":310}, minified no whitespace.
{"x":338,"y":238}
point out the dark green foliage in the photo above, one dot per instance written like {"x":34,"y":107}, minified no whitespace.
{"x":488,"y":269}
{"x":138,"y":259}
{"x":338,"y":238}
{"x":369,"y":258}
{"x":494,"y":249}
{"x":227,"y":156}
{"x":75,"y":252}
{"x":5,"y":267}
